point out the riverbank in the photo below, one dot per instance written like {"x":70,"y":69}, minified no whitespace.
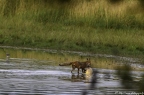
{"x":105,"y":41}
{"x":87,"y":26}
{"x":103,"y":61}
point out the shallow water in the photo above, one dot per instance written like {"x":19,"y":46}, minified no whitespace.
{"x":37,"y":73}
{"x":23,"y":78}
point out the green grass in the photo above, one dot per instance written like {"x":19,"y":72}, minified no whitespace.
{"x":97,"y":29}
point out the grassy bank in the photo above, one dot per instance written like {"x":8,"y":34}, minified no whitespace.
{"x":85,"y":25}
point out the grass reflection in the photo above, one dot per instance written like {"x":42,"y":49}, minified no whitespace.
{"x":58,"y":57}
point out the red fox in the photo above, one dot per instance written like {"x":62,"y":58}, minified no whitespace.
{"x":78,"y":65}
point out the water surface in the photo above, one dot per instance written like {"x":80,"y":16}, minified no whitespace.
{"x":32,"y":72}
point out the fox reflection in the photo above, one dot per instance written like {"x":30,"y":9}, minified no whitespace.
{"x":77,"y":76}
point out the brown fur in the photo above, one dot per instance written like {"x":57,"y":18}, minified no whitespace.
{"x":78,"y":65}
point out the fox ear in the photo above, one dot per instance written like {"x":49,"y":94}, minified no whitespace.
{"x":87,"y":59}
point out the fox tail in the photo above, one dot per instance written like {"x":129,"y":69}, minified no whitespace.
{"x":65,"y":64}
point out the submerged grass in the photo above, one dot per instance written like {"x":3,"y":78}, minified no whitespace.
{"x":93,"y":26}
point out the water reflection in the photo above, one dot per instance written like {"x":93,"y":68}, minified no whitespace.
{"x":75,"y":77}
{"x":27,"y":77}
{"x":37,"y":72}
{"x":39,"y":55}
{"x":57,"y":57}
{"x":53,"y":57}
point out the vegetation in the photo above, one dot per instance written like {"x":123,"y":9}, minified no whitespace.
{"x":83,"y":25}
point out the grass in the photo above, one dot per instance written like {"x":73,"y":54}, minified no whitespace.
{"x":54,"y":59}
{"x":82,"y":26}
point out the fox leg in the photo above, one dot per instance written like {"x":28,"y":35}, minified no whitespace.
{"x":73,"y":68}
{"x":82,"y":71}
{"x":78,"y":70}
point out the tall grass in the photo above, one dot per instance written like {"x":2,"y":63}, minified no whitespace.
{"x":89,"y":25}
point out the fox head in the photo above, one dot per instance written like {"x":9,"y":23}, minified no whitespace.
{"x":88,"y":62}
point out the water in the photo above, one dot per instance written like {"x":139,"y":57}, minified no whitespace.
{"x":24,"y":78}
{"x":34,"y":73}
